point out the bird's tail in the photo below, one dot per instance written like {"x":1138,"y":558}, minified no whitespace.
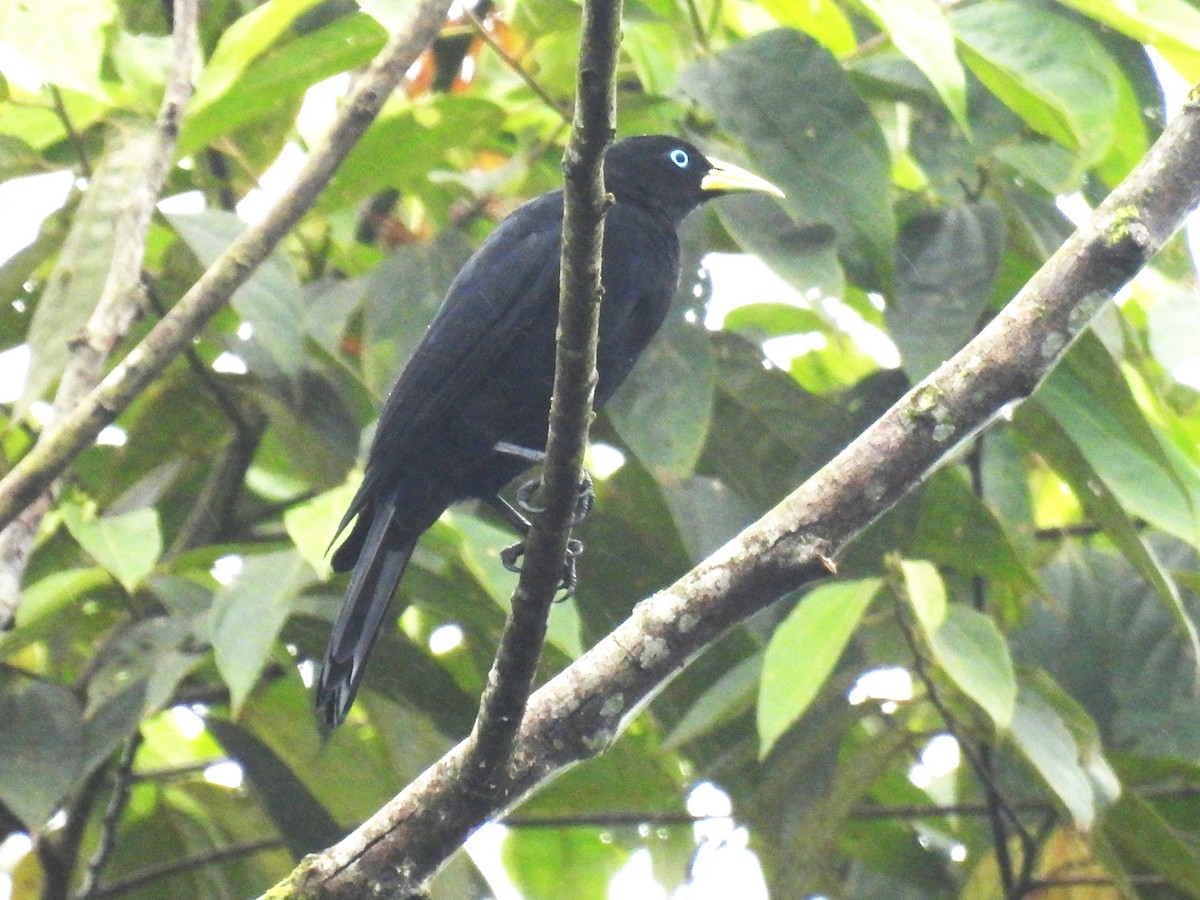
{"x":384,"y":554}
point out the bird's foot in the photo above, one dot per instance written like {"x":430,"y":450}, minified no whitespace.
{"x":510,"y":556}
{"x":585,"y":497}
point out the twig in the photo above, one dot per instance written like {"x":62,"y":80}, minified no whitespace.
{"x":116,"y":802}
{"x":177,"y":866}
{"x":515,"y":64}
{"x":85,"y":164}
{"x":698,"y":25}
{"x":75,"y":431}
{"x":980,"y":761}
{"x":580,"y":711}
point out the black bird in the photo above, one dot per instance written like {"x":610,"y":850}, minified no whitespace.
{"x":470,"y":410}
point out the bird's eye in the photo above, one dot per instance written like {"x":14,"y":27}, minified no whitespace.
{"x":679,"y":157}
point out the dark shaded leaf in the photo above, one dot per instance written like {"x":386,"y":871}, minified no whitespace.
{"x":946,"y":263}
{"x":835,"y":168}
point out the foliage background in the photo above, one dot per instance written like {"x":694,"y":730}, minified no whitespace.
{"x":1033,"y":600}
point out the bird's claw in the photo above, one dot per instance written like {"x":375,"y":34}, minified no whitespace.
{"x":585,"y":498}
{"x":510,"y":557}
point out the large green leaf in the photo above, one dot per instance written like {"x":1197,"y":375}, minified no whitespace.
{"x":63,"y":41}
{"x":248,"y":614}
{"x":270,"y":299}
{"x":128,"y":545}
{"x":969,"y":648}
{"x":283,"y":75}
{"x":541,"y":860}
{"x":822,"y":19}
{"x":789,"y":102}
{"x":1141,"y":836}
{"x":803,"y":255}
{"x":803,"y":652}
{"x":1090,"y":399}
{"x":1106,"y":637}
{"x":919,"y":30}
{"x":663,"y":410}
{"x":959,"y":530}
{"x":243,"y":42}
{"x":1061,"y":742}
{"x":1051,"y":441}
{"x":946,"y":264}
{"x":1171,"y":26}
{"x":401,"y":149}
{"x":43,"y":747}
{"x":143,"y":662}
{"x":305,"y":824}
{"x":1015,"y":49}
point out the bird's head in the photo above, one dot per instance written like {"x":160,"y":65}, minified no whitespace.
{"x":671,"y":175}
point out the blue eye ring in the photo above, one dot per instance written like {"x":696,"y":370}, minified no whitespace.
{"x":680,"y":157}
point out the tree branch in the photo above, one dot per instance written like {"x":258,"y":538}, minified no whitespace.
{"x":585,"y":204}
{"x":582,"y":710}
{"x":75,"y":431}
{"x":120,"y":299}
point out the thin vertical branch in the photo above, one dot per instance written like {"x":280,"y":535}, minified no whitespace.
{"x":122,"y":780}
{"x":585,"y":204}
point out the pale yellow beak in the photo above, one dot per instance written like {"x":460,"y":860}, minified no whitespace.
{"x":726,"y":178}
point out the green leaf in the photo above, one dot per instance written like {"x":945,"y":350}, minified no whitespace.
{"x":243,"y":42}
{"x":836,"y":168}
{"x":1061,"y":742}
{"x":820,"y":19}
{"x":43,"y":747}
{"x":147,"y":660}
{"x":63,"y":41}
{"x":127,"y":545}
{"x":311,"y":525}
{"x":803,"y":651}
{"x":1105,"y":636}
{"x":1090,"y":399}
{"x":304,"y":823}
{"x":972,"y":652}
{"x":957,"y":529}
{"x":248,"y":614}
{"x":946,"y":265}
{"x":44,"y":599}
{"x":1051,"y":442}
{"x":924,"y":590}
{"x":1172,"y":26}
{"x":732,"y":694}
{"x":1145,"y":839}
{"x":663,"y":409}
{"x":400,"y":150}
{"x":279,"y":77}
{"x":1015,"y":49}
{"x":919,"y":30}
{"x":77,"y":282}
{"x":805,"y":256}
{"x":270,"y":299}
{"x":541,"y":860}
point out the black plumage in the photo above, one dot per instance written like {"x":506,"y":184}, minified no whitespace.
{"x":483,"y":372}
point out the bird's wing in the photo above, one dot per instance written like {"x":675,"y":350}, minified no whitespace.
{"x":502,"y":287}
